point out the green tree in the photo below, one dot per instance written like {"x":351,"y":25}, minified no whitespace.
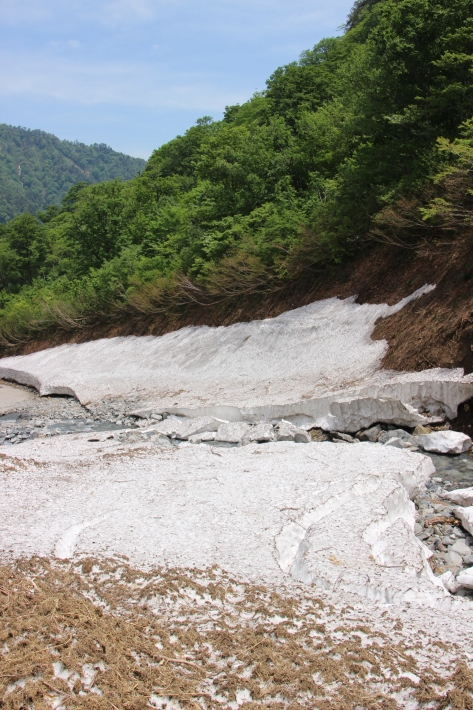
{"x":24,"y":238}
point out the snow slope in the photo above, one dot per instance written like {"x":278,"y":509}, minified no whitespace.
{"x":315,"y":364}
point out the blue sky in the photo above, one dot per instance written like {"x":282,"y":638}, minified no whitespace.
{"x":135,"y":73}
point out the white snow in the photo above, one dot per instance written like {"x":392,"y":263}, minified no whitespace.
{"x":337,"y":516}
{"x":314,"y":365}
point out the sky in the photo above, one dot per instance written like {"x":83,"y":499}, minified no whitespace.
{"x":135,"y":73}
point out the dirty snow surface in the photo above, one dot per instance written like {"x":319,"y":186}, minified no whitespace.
{"x":316,"y":363}
{"x":323,"y":514}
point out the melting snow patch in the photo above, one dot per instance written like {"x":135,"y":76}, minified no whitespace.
{"x":338,"y":517}
{"x":315,"y":364}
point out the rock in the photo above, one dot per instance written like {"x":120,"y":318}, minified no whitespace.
{"x":371,"y":434}
{"x":465,"y":515}
{"x":285,"y":431}
{"x":420,"y":430}
{"x":453,"y":558}
{"x":461,"y":548}
{"x":461,"y":496}
{"x":465,"y":578}
{"x":262,"y":432}
{"x":401,"y":434}
{"x":234,"y":433}
{"x":449,"y":581}
{"x":444,"y":442}
{"x":162,"y":441}
{"x":398,"y":443}
{"x":157,"y":417}
{"x":343,"y":437}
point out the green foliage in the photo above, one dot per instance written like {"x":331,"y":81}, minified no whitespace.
{"x":37,"y":169}
{"x":367,"y":134}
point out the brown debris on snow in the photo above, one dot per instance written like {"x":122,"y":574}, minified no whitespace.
{"x":128,"y":639}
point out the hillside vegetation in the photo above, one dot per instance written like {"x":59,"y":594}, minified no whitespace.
{"x":37,"y":169}
{"x":368,"y":137}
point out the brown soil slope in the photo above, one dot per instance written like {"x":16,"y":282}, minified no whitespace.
{"x":434,"y":331}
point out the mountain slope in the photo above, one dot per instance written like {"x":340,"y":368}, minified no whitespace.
{"x":37,"y":169}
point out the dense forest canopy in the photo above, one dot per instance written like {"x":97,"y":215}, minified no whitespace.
{"x":367,"y":136}
{"x":37,"y":169}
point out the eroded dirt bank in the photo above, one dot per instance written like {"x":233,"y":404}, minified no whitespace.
{"x":434,"y":331}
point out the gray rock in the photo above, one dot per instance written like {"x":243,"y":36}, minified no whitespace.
{"x":343,"y":437}
{"x":285,"y":431}
{"x":385,"y":436}
{"x":454,"y":559}
{"x":395,"y":441}
{"x":461,"y":548}
{"x":262,"y":432}
{"x":162,"y":441}
{"x":371,"y":434}
{"x":234,"y":433}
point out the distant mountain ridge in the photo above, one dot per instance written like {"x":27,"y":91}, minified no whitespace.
{"x":37,"y":168}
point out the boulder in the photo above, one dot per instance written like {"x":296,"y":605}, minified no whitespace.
{"x":262,"y":432}
{"x":465,"y":578}
{"x":462,"y":496}
{"x":234,"y":433}
{"x":444,"y":442}
{"x":285,"y":431}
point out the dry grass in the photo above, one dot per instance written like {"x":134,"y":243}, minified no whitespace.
{"x":102,"y":635}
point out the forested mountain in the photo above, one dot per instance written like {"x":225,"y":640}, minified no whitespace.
{"x":37,"y":169}
{"x":368,"y":136}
